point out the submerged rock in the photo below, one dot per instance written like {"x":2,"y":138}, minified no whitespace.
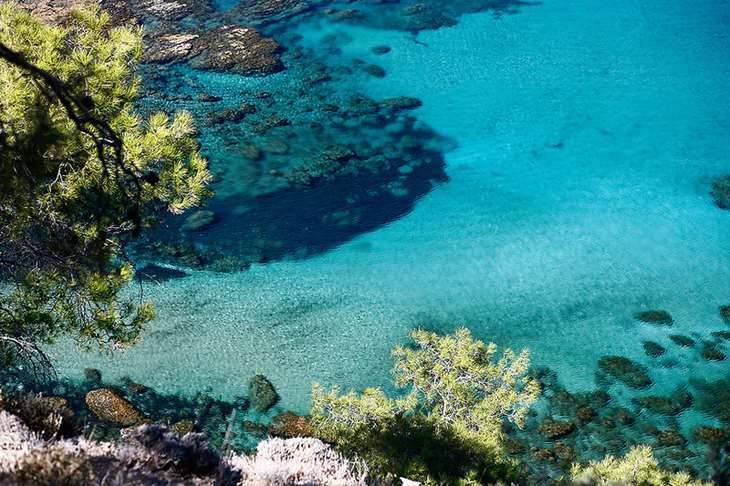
{"x":671,"y":405}
{"x":182,"y":427}
{"x":659,"y":317}
{"x":231,"y":48}
{"x":208,"y":98}
{"x":236,"y":49}
{"x":670,"y":438}
{"x":109,"y":406}
{"x":254,"y":428}
{"x":262,"y":393}
{"x":92,"y":375}
{"x":721,"y":192}
{"x":401,"y":103}
{"x":624,"y":416}
{"x":711,"y":435}
{"x":288,"y":425}
{"x":623,"y":369}
{"x":653,"y":350}
{"x":555,"y":429}
{"x":199,"y":220}
{"x":133,"y":386}
{"x":711,"y":353}
{"x":725,"y":313}
{"x":375,"y":71}
{"x":586,"y":414}
{"x":724,"y":335}
{"x":265,"y":11}
{"x":157,"y":273}
{"x":229,"y":115}
{"x":170,"y":47}
{"x":682,"y":340}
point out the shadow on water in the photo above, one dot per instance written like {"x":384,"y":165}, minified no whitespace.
{"x":297,"y":223}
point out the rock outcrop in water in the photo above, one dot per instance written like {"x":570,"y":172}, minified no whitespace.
{"x":262,"y":393}
{"x":109,"y":406}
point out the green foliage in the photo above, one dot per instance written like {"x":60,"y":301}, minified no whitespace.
{"x":637,"y":468}
{"x":67,"y":207}
{"x":447,"y":428}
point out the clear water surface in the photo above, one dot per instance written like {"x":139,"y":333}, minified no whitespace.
{"x":588,"y":134}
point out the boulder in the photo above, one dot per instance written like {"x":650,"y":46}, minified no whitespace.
{"x":623,"y":369}
{"x":110,"y":407}
{"x":262,"y":393}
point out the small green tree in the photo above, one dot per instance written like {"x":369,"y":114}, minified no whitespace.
{"x":637,"y":468}
{"x":80,"y":174}
{"x":448,"y":425}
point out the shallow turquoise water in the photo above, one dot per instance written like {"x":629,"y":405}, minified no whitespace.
{"x":587,"y":133}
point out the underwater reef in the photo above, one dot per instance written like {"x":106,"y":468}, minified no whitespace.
{"x":303,"y":165}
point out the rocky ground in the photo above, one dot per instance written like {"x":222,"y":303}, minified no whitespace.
{"x":154,"y":454}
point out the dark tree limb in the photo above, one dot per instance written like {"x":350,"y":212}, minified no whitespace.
{"x":79,"y":110}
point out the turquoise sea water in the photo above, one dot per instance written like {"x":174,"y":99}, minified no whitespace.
{"x":586,"y":138}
